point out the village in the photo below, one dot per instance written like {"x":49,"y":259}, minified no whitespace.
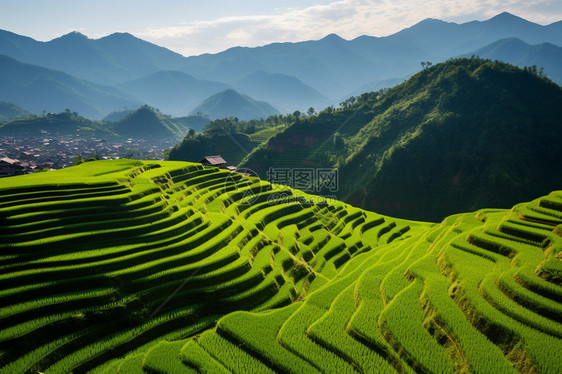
{"x":24,"y":155}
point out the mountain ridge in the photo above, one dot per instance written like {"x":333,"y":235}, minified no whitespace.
{"x":38,"y":89}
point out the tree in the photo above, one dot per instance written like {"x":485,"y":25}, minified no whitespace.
{"x":78,"y":160}
{"x":220,"y":127}
{"x":426,"y":64}
{"x":338,"y":141}
{"x":310,"y":111}
{"x":296,"y":114}
{"x":347,"y":103}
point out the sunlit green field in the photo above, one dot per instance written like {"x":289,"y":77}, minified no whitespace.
{"x":170,"y":267}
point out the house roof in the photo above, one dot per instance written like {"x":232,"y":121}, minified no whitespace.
{"x":213,"y":160}
{"x":10,"y":161}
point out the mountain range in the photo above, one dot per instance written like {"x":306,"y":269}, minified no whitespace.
{"x":110,"y":60}
{"x":336,"y":67}
{"x":38,"y":89}
{"x":288,"y":76}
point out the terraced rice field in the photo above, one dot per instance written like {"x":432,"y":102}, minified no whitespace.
{"x":170,"y":267}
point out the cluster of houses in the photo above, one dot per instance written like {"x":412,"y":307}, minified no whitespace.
{"x":22,"y":155}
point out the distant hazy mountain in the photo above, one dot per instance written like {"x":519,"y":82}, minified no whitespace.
{"x":336,"y":67}
{"x":517,"y":52}
{"x":230,"y":103}
{"x":330,"y":65}
{"x":146,"y":123}
{"x":38,"y":89}
{"x":9,"y":111}
{"x":112,"y":59}
{"x":285,"y":92}
{"x":172,"y":92}
{"x":196,"y":123}
{"x":441,"y":40}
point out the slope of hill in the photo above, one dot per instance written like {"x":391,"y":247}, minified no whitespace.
{"x":38,"y":89}
{"x":231,"y":138}
{"x":230,"y":103}
{"x":172,"y":92}
{"x":142,"y":259}
{"x":10,"y":111}
{"x":117,"y":115}
{"x":197,"y":123}
{"x":55,"y":124}
{"x":109,"y":60}
{"x":232,"y":147}
{"x":148,"y":123}
{"x":462,"y":135}
{"x":519,"y":53}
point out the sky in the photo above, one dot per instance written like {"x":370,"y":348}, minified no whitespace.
{"x":209,"y":26}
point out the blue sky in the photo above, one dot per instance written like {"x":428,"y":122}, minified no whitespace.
{"x":195,"y":27}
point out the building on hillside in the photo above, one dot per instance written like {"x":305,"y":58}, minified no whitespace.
{"x":217,"y":161}
{"x":10,"y":167}
{"x":246,"y":172}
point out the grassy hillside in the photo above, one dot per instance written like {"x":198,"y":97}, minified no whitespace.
{"x":169,"y":267}
{"x":459,"y":136}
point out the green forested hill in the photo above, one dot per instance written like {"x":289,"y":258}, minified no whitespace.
{"x":458,"y":136}
{"x":126,"y":266}
{"x":64,"y":123}
{"x":148,"y":123}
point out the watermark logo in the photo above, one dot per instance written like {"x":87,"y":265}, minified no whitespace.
{"x":305,"y":179}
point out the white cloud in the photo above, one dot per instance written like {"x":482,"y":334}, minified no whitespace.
{"x":347,"y":18}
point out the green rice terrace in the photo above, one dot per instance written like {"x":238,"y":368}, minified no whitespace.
{"x":171,"y":267}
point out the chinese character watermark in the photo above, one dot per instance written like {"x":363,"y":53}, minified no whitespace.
{"x":305,"y":179}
